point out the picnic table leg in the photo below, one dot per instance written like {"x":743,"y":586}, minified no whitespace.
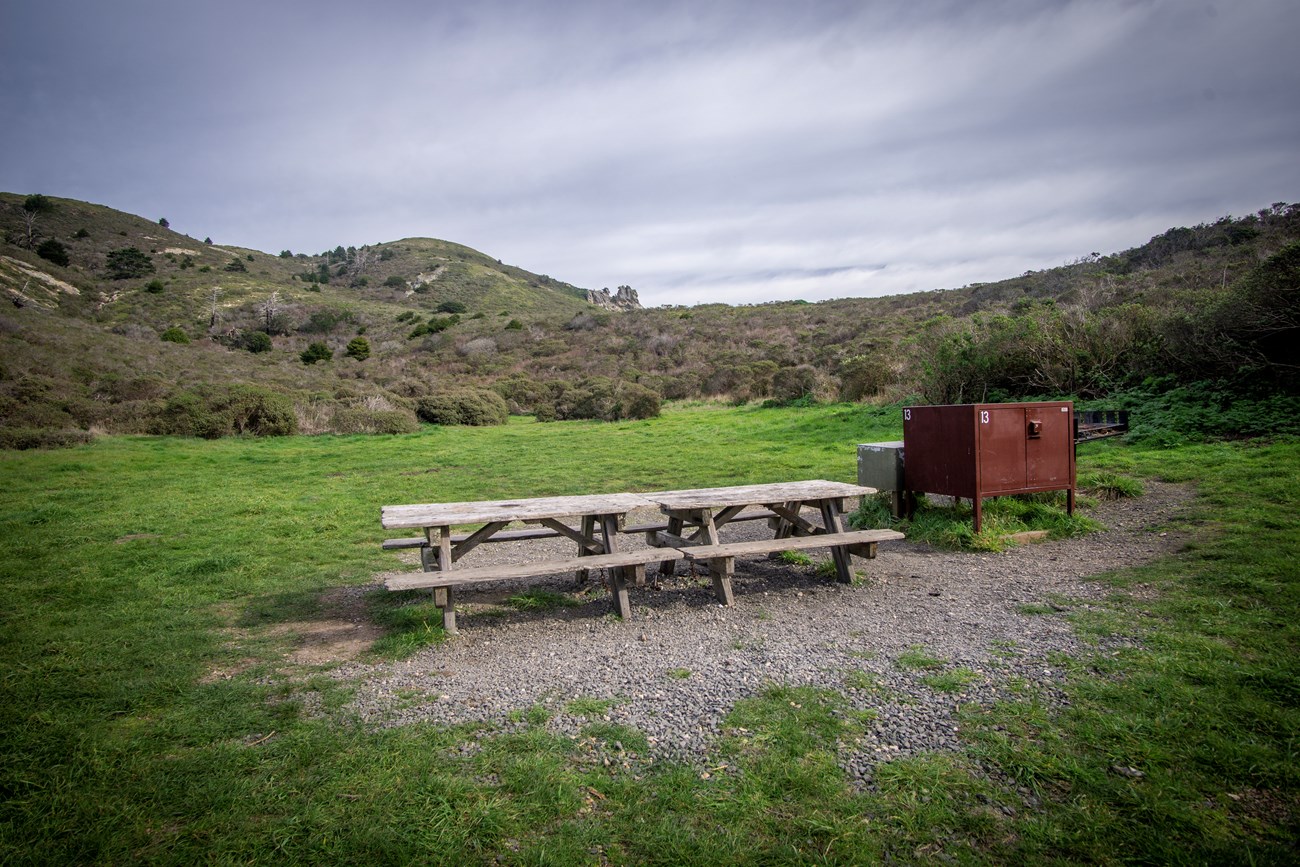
{"x":439,"y":559}
{"x":669,"y":567}
{"x":720,"y":568}
{"x":617,"y":574}
{"x":834,"y":523}
{"x":588,"y":530}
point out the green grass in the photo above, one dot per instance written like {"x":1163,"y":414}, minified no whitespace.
{"x":917,"y":657}
{"x":952,"y":680}
{"x":135,"y":568}
{"x":952,"y":526}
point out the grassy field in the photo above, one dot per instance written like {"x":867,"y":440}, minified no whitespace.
{"x":124,"y":564}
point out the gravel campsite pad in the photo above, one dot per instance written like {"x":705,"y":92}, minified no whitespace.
{"x":992,"y":622}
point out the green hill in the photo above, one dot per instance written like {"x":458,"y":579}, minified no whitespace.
{"x":119,"y":324}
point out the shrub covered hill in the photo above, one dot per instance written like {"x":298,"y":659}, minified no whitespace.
{"x":118,"y":324}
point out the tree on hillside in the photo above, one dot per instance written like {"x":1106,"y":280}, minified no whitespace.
{"x":214,"y":307}
{"x":33,"y":207}
{"x":358,"y":348}
{"x":315,"y":352}
{"x":270,"y":309}
{"x":162,"y":221}
{"x":128,"y":262}
{"x":53,"y":251}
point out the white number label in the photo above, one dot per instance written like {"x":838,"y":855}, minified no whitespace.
{"x":984,"y":416}
{"x":907,"y":415}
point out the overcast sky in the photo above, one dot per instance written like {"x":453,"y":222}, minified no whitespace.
{"x":708,"y":151}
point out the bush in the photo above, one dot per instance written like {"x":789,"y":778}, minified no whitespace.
{"x":154,"y":287}
{"x":452,"y":307}
{"x":514,"y":325}
{"x":235,"y":265}
{"x":790,"y":384}
{"x":210,"y":412}
{"x":466,"y":406}
{"x":53,"y":251}
{"x":325,"y":320}
{"x":637,"y":401}
{"x":175,"y":335}
{"x":597,"y":397}
{"x":35,"y":438}
{"x":395,"y":282}
{"x":358,"y":348}
{"x":361,"y":420}
{"x":255,"y":341}
{"x":127,"y":263}
{"x":315,"y":352}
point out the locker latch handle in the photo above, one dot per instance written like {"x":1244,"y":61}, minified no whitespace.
{"x":1035,"y":429}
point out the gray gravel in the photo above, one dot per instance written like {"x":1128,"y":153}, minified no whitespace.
{"x":677,"y":668}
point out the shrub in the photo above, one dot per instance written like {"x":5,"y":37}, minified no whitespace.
{"x":53,"y":251}
{"x":36,"y":438}
{"x":452,"y":307}
{"x":863,"y":376}
{"x":637,"y":401}
{"x":317,"y":351}
{"x":81,"y":234}
{"x":211,"y":411}
{"x":235,"y":265}
{"x":358,"y":348}
{"x":790,"y":384}
{"x":126,"y":263}
{"x":155,"y":287}
{"x":175,"y":335}
{"x":255,"y":341}
{"x":325,"y":320}
{"x":514,"y":325}
{"x":465,"y":406}
{"x":395,"y":282}
{"x":362,"y":420}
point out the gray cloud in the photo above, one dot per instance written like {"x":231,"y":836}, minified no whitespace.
{"x":740,"y":152}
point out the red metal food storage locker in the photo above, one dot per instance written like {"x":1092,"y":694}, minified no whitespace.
{"x":989,"y":449}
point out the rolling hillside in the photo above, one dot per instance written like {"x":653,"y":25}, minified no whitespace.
{"x":114,"y":321}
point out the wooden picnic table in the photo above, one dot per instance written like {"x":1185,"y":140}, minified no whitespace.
{"x":600,"y":520}
{"x":707,"y":510}
{"x":598,"y":517}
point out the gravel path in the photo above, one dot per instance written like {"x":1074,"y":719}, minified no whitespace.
{"x":682,"y":663}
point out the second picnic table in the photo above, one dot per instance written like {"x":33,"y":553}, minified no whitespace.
{"x":709,"y":509}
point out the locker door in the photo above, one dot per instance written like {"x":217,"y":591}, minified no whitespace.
{"x":1002,"y":448}
{"x":1047,"y":454}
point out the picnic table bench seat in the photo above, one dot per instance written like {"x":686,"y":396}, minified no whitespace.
{"x":856,"y":540}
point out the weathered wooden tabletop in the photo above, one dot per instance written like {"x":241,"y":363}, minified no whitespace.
{"x":450,"y":514}
{"x":744,"y":495}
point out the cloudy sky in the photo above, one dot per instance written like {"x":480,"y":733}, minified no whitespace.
{"x":697,"y":151}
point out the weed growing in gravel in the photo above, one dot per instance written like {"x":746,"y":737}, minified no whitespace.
{"x":952,"y":680}
{"x":539,"y":599}
{"x":794,"y":558}
{"x":858,"y":679}
{"x":1108,"y":485}
{"x":678,"y":673}
{"x":1034,"y":608}
{"x":916,"y":657}
{"x":586,"y":706}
